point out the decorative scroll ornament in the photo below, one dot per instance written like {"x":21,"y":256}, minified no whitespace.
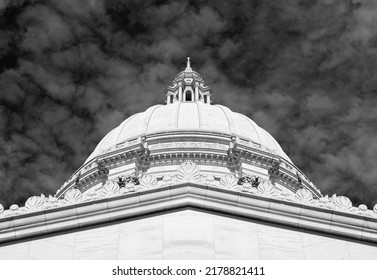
{"x":50,"y":202}
{"x":304,"y":196}
{"x":110,"y":188}
{"x":342,"y":203}
{"x":34,"y":203}
{"x":362,"y":208}
{"x":14,"y":208}
{"x":324,"y":199}
{"x":266,"y":188}
{"x":247,"y":187}
{"x":228,"y":182}
{"x":287,"y":195}
{"x":167,"y":180}
{"x":326,"y":202}
{"x":90,"y":195}
{"x":129,"y":187}
{"x":52,"y":199}
{"x":73,"y":196}
{"x":209,"y":180}
{"x":188,"y":171}
{"x":148,"y":182}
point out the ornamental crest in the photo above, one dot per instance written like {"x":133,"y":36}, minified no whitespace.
{"x":342,"y":203}
{"x":73,"y":196}
{"x":148,"y":182}
{"x":188,"y":171}
{"x":110,"y":188}
{"x":228,"y":182}
{"x":304,"y":196}
{"x":266,"y":188}
{"x":34,"y":203}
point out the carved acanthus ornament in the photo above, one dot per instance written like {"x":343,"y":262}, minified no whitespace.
{"x":73,"y":196}
{"x":34,"y":203}
{"x":110,"y":188}
{"x":342,"y":203}
{"x":304,"y":196}
{"x":148,"y":182}
{"x":266,"y":188}
{"x":188,"y":171}
{"x":228,"y":182}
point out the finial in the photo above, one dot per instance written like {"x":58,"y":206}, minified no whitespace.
{"x":188,"y":67}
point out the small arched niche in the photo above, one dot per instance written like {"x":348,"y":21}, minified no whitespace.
{"x":188,"y":95}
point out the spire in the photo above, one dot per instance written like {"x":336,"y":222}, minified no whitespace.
{"x":188,"y":67}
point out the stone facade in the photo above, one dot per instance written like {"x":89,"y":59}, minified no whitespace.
{"x":189,"y":234}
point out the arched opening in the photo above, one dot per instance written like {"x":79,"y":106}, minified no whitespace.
{"x":188,"y":94}
{"x":205,"y":98}
{"x":171,"y":98}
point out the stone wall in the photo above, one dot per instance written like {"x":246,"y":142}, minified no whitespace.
{"x":188,"y":234}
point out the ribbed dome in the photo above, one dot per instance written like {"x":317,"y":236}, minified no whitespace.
{"x":196,"y":117}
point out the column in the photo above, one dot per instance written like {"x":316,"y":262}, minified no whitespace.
{"x":196,"y":92}
{"x":180,"y":92}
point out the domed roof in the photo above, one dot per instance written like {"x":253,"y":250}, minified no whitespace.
{"x":193,"y":116}
{"x":188,"y":139}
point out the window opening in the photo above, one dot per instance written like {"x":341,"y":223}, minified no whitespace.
{"x":188,"y":95}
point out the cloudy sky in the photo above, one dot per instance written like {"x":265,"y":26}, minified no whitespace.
{"x":71,"y":70}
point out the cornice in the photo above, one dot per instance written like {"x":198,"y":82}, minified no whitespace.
{"x":79,"y":211}
{"x":204,"y":149}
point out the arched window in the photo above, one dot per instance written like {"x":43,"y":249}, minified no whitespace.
{"x":205,"y":98}
{"x":188,"y":95}
{"x":171,"y":98}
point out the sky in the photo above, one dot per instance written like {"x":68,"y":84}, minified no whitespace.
{"x":71,"y":70}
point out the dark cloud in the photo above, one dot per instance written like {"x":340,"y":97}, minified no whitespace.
{"x":302,"y":69}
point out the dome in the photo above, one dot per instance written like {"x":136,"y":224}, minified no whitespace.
{"x":188,"y":138}
{"x":195,"y":117}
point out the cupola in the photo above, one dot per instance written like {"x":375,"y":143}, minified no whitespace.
{"x":188,"y":86}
